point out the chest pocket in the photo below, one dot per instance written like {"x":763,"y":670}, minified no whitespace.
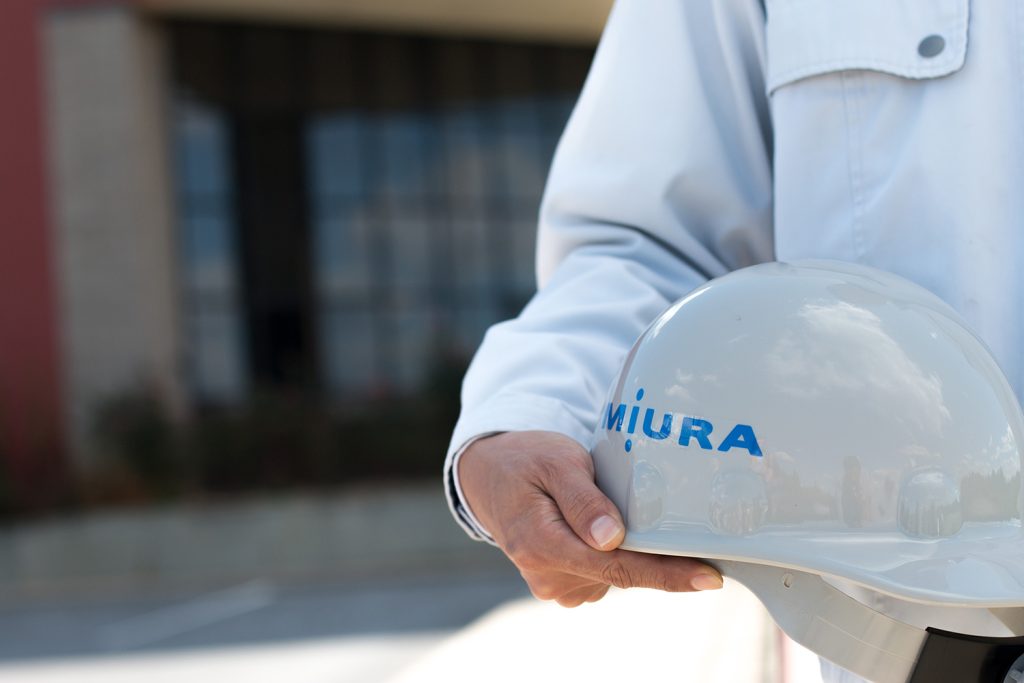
{"x":859,"y":96}
{"x":915,"y":39}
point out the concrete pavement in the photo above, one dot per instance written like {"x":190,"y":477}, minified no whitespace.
{"x":253,"y":613}
{"x":356,"y":659}
{"x":360,"y":586}
{"x":369,"y":531}
{"x":636,"y":635}
{"x":352,"y":632}
{"x":412,"y":634}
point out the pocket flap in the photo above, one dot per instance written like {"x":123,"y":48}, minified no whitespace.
{"x":913,"y":39}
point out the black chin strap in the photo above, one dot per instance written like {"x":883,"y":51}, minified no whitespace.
{"x":957,"y":657}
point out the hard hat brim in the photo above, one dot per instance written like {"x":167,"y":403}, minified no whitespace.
{"x":976,"y":569}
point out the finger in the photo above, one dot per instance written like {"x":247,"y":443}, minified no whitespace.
{"x":600,"y":593}
{"x":626,"y":569}
{"x":582,"y":595}
{"x":590,"y":514}
{"x":552,"y":585}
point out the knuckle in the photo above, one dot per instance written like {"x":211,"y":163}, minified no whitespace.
{"x":579,"y":504}
{"x":616,"y":573}
{"x":540,"y":593}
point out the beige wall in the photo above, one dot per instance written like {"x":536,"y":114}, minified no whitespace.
{"x":112,"y":210}
{"x":576,"y":21}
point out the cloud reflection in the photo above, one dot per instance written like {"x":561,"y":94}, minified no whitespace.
{"x":842,"y":347}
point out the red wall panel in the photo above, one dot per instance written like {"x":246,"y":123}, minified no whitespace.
{"x":30,"y":392}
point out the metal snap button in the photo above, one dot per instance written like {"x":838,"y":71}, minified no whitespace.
{"x":931,"y":46}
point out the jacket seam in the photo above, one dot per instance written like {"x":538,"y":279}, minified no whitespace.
{"x":855,"y":159}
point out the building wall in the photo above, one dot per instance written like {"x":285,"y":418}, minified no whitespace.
{"x":88,"y":298}
{"x":29,"y":372}
{"x":112,"y":211}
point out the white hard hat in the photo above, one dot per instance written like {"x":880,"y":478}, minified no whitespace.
{"x":835,"y":438}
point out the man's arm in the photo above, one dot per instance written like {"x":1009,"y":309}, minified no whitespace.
{"x":662,"y":180}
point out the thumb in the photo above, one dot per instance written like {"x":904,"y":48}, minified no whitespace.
{"x":590,"y":514}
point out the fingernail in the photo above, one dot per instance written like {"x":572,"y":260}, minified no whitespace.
{"x":706,"y":582}
{"x":604,"y":530}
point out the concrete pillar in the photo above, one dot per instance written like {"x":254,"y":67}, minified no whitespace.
{"x":112,"y":211}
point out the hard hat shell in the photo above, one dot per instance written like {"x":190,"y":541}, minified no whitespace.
{"x":823,"y":416}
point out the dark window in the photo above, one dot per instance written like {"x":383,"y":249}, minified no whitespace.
{"x":356,"y":206}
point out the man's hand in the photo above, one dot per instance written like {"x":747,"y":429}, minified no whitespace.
{"x":535,"y":493}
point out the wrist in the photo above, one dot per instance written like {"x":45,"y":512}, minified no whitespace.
{"x":470,"y":476}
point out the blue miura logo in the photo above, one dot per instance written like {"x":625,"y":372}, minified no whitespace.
{"x":691,"y":429}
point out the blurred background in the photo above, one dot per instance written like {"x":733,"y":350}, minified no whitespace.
{"x":248,"y":248}
{"x":251,"y":244}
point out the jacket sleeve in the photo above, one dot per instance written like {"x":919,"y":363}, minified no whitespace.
{"x":662,"y":179}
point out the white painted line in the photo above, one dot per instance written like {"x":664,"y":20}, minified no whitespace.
{"x":166,"y":622}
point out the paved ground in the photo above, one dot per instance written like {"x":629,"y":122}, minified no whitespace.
{"x":434,"y":628}
{"x":359,"y":631}
{"x":354,"y":659}
{"x":253,"y":612}
{"x":416,"y":621}
{"x":637,"y":635}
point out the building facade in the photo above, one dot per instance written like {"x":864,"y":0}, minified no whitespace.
{"x":207,"y":200}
